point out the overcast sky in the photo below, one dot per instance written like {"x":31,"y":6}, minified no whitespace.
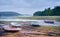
{"x":27,"y":6}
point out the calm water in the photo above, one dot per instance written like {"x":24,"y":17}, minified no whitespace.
{"x":41,"y":22}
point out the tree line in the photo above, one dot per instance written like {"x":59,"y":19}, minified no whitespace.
{"x":49,"y":12}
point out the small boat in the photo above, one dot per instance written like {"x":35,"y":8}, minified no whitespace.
{"x":49,"y":21}
{"x":35,"y":24}
{"x":10,"y":28}
{"x":14,"y":24}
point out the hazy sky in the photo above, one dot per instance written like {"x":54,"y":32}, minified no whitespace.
{"x":27,"y":6}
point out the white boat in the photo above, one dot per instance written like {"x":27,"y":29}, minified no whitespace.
{"x":14,"y":24}
{"x":10,"y":28}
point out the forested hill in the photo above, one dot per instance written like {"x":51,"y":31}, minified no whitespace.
{"x":8,"y":13}
{"x":48,"y":12}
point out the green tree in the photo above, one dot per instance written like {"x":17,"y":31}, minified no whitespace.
{"x":56,"y":11}
{"x":38,"y":13}
{"x":49,"y":12}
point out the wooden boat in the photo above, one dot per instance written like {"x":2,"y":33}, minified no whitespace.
{"x":9,"y":28}
{"x":49,"y":21}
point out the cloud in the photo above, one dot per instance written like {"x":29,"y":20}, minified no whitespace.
{"x":27,"y":6}
{"x":15,"y":3}
{"x":43,"y":3}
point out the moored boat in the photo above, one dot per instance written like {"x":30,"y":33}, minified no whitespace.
{"x":49,"y":21}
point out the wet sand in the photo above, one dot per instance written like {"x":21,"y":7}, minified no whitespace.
{"x":35,"y":32}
